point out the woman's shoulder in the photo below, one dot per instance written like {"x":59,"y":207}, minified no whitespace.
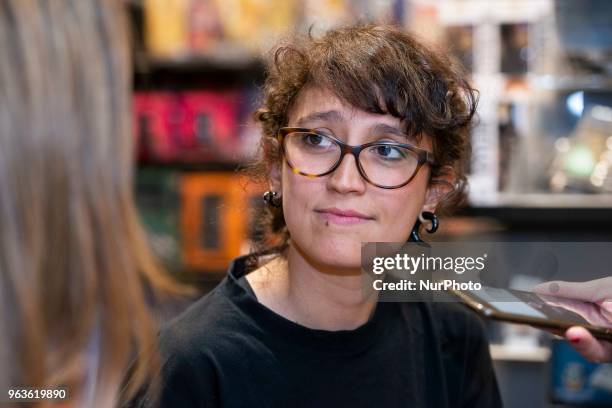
{"x":186,"y":343}
{"x":202,"y":323}
{"x":461,"y":333}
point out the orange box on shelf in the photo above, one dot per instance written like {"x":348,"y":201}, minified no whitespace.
{"x":216,"y":212}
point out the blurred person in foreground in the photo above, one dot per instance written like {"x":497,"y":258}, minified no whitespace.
{"x":73,"y":255}
{"x":599,"y":292}
{"x":365,"y":131}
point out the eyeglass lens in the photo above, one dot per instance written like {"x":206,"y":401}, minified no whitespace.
{"x":315,"y":154}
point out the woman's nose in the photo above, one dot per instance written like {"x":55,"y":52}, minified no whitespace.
{"x":346,"y":178}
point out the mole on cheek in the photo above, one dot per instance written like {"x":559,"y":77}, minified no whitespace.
{"x":327,"y":223}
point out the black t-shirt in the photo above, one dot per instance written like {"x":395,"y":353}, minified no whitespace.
{"x":228,"y":350}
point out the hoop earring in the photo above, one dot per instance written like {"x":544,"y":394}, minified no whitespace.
{"x":423,"y":217}
{"x":273,"y":199}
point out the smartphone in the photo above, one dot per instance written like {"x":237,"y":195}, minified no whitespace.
{"x":541,"y":311}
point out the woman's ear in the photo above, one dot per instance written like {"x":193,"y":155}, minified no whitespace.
{"x":439,"y":187}
{"x":275,"y":177}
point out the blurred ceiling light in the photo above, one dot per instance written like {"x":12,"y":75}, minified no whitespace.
{"x":575,"y":103}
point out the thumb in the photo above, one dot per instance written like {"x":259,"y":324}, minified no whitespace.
{"x":586,"y":291}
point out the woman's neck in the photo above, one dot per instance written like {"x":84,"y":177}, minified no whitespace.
{"x":311,"y":295}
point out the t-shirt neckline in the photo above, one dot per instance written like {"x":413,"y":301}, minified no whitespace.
{"x":281,"y":328}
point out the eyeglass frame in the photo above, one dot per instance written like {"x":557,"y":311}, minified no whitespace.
{"x":423,"y":156}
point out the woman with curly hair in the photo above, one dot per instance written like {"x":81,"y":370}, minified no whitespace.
{"x":365,"y":132}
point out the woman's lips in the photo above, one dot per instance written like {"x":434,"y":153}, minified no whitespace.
{"x":343,"y":217}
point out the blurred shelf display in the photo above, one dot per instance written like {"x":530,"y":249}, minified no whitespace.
{"x":502,"y":352}
{"x":157,"y":198}
{"x":194,"y":126}
{"x":216,"y":218}
{"x":542,"y":73}
{"x":197,"y":222}
{"x":499,"y":43}
{"x":186,"y":28}
{"x":183,"y":28}
{"x":576,"y":382}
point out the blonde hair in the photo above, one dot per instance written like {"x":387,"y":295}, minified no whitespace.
{"x":72,"y":251}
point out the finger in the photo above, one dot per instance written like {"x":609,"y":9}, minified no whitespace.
{"x":588,"y":311}
{"x":587,"y":291}
{"x":606,"y":313}
{"x":588,"y":346}
{"x":607,"y":305}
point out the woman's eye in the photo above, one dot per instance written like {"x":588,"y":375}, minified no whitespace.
{"x":389,"y":152}
{"x":316,"y":140}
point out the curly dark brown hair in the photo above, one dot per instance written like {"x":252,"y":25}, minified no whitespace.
{"x":378,"y":69}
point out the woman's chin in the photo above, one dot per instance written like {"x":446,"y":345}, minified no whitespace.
{"x":337,"y":254}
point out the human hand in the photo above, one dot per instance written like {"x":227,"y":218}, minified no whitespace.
{"x":598,"y":292}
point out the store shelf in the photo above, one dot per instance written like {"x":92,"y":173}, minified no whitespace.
{"x":551,"y":200}
{"x":547,"y":210}
{"x":231,"y":58}
{"x":548,"y":217}
{"x":212,"y":71}
{"x":502,"y":352}
{"x":195,"y":166}
{"x":573,"y":82}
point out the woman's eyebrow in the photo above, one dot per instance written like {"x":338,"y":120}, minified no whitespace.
{"x":383,"y":128}
{"x":326,"y":116}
